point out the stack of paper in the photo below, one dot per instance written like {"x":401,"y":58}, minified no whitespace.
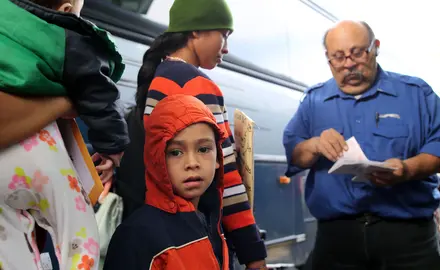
{"x":244,"y":145}
{"x":356,"y":163}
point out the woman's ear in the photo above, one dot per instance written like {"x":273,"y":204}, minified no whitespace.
{"x":66,"y":7}
{"x":195,"y":34}
{"x":217,"y":165}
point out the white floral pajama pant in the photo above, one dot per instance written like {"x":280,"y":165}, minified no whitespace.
{"x":39,"y":185}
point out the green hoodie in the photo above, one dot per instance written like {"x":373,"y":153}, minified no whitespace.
{"x":49,"y":53}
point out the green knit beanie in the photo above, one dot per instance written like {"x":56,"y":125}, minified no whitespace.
{"x":193,"y":15}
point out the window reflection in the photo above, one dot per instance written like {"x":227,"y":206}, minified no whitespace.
{"x":261,"y":34}
{"x":306,"y":30}
{"x":158,"y":11}
{"x":138,"y":6}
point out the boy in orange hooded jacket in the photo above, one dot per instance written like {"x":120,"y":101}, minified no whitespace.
{"x":179,"y":227}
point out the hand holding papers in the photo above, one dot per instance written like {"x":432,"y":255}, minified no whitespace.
{"x":356,"y":163}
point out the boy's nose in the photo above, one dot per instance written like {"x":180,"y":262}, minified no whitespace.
{"x":191,"y":162}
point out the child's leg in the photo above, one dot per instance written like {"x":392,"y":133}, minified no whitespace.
{"x":41,"y":172}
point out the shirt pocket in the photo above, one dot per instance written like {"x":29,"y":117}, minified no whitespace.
{"x":390,"y":140}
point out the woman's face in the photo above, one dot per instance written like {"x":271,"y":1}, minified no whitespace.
{"x":210,"y":46}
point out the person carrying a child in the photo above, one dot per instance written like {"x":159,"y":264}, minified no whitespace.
{"x":47,"y":51}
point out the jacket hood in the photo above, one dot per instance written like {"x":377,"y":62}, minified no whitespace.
{"x":170,"y":116}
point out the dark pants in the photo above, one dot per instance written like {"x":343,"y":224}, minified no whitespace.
{"x":371,"y":243}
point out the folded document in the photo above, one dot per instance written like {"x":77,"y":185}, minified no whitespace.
{"x":356,"y":163}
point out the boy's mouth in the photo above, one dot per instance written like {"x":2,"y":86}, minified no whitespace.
{"x":193,"y":179}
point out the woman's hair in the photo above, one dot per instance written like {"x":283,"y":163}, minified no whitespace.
{"x":162,"y":46}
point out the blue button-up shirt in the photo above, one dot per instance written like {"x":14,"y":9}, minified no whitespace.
{"x":408,"y":124}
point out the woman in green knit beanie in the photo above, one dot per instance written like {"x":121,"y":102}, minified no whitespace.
{"x":197,"y":33}
{"x":197,"y":38}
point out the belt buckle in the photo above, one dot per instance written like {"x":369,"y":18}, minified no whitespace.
{"x":369,"y":218}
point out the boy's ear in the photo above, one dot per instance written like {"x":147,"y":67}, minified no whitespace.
{"x":66,"y":7}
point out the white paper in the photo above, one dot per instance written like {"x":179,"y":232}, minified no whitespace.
{"x":356,"y":163}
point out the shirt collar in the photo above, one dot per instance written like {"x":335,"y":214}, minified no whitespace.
{"x":382,"y":84}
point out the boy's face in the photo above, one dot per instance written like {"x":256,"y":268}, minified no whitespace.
{"x":191,"y":158}
{"x":73,"y":6}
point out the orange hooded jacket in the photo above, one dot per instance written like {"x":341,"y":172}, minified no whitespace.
{"x":177,"y":77}
{"x":167,"y":233}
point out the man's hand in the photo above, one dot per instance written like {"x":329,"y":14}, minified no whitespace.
{"x":399,"y":175}
{"x":331,"y":144}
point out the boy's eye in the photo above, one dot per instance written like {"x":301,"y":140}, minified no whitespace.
{"x":205,"y":149}
{"x":175,"y":153}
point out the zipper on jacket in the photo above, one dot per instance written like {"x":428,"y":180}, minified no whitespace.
{"x":207,"y":225}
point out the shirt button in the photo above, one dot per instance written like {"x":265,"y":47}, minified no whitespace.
{"x":358,"y":121}
{"x":171,"y":204}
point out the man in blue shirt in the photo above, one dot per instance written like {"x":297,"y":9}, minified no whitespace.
{"x":387,"y":222}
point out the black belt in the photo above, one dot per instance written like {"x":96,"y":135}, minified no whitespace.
{"x":371,"y":218}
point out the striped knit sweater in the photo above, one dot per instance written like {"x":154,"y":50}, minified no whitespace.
{"x":175,"y":77}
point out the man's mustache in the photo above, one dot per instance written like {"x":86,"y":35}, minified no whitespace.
{"x":354,"y":74}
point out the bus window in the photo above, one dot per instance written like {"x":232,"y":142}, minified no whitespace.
{"x":138,"y":6}
{"x":261,"y":34}
{"x":260,"y":37}
{"x":307,"y":53}
{"x":158,"y":11}
{"x":282,"y":36}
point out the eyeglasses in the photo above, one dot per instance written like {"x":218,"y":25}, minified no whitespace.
{"x":356,"y":55}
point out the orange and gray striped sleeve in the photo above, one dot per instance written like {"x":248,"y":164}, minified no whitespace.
{"x":238,"y":219}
